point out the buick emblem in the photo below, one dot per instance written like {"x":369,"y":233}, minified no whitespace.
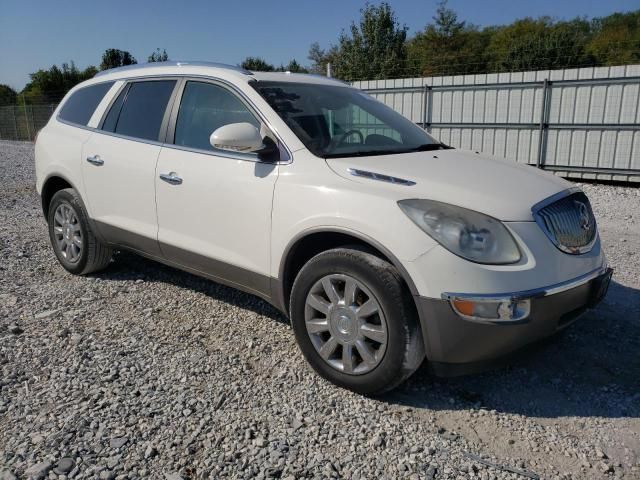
{"x":583,"y":216}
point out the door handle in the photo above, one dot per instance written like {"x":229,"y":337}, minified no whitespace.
{"x":171,"y":177}
{"x":95,"y":160}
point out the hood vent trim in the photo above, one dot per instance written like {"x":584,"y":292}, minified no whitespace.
{"x":380,"y":177}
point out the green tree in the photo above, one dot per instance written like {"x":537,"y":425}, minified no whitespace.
{"x":52,"y":84}
{"x":112,"y":58}
{"x":446,"y":23}
{"x":377,"y":47}
{"x":257,"y":64}
{"x":534,"y":44}
{"x":320,"y":57}
{"x":158,"y":56}
{"x":616,"y":39}
{"x":293,"y":66}
{"x":374,"y":48}
{"x":7,"y":95}
{"x":447,"y":46}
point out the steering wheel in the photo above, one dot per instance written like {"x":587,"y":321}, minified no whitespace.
{"x":339,"y":139}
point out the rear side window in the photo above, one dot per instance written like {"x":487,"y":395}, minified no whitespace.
{"x":204,"y":108}
{"x":139,"y":109}
{"x":82,"y":103}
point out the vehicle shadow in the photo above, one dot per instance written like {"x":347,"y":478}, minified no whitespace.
{"x":129,"y":266}
{"x":590,"y":369}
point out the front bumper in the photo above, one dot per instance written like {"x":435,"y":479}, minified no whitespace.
{"x":456,"y":346}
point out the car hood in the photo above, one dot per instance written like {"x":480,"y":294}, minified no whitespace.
{"x":500,"y":188}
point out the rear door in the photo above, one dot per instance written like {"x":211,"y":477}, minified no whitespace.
{"x":119,"y":164}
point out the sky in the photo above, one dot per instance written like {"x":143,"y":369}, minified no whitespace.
{"x":37,"y":34}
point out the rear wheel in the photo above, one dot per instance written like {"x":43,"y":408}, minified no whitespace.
{"x":355,"y":322}
{"x":74,"y":243}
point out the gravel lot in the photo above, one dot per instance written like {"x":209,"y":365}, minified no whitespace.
{"x":145,"y":371}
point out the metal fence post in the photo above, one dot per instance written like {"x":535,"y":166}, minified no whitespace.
{"x":543,"y":130}
{"x":32,"y":130}
{"x":26,"y":118}
{"x":15,"y":122}
{"x":430,"y":107}
{"x":427,"y":100}
{"x":424,"y":106}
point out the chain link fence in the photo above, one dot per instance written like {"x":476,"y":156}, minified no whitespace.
{"x":22,"y":122}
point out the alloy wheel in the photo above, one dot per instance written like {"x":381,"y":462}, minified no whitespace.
{"x":67,"y":233}
{"x":346,"y":324}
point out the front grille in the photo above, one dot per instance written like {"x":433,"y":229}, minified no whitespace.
{"x":569,"y":223}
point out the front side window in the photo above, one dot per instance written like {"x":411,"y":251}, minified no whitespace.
{"x":204,"y":108}
{"x":80,"y":106}
{"x":139,"y":109}
{"x":337,"y":121}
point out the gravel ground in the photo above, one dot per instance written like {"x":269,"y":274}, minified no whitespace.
{"x":145,"y":371}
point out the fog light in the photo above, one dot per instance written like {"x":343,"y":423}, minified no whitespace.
{"x":491,"y":310}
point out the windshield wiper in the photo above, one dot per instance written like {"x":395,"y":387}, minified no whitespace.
{"x":426,"y":147}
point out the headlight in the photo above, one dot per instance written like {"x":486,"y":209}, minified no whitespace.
{"x":468,"y":234}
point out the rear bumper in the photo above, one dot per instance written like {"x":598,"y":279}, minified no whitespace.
{"x":457,"y":346}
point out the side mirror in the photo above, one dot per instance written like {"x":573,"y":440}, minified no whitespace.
{"x":242,"y":137}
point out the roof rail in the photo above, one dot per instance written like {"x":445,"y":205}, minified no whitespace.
{"x":173,"y":64}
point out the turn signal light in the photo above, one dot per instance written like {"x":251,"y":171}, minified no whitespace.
{"x":491,"y":310}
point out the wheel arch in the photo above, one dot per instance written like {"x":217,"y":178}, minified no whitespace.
{"x":53,"y":183}
{"x":313,"y":241}
{"x":56,"y":182}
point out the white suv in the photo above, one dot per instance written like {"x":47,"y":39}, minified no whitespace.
{"x":381,"y":244}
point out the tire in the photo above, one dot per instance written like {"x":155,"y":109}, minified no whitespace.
{"x":377,"y":280}
{"x":90,"y":255}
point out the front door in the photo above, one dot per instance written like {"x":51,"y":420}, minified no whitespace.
{"x":214,"y":207}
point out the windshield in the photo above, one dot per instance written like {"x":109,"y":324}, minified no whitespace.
{"x":335,"y":121}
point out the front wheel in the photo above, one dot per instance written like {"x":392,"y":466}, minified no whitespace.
{"x":355,"y":322}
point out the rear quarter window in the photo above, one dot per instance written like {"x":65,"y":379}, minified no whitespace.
{"x":80,"y":106}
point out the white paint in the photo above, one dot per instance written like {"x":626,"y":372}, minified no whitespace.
{"x":244,"y":212}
